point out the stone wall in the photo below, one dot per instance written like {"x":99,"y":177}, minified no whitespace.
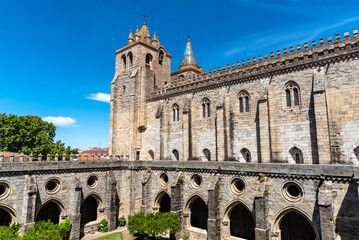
{"x":328,"y":198}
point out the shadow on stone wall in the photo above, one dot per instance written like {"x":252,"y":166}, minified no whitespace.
{"x":347,"y":220}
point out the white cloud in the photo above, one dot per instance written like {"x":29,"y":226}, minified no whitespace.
{"x":60,"y":121}
{"x":102,"y":97}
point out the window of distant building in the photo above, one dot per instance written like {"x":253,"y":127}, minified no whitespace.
{"x":206,"y":107}
{"x":243,"y":102}
{"x":160,"y":57}
{"x":123,"y":62}
{"x":292,"y":95}
{"x":175,"y":110}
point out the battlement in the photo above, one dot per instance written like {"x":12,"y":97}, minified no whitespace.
{"x":64,"y":158}
{"x":266,"y":65}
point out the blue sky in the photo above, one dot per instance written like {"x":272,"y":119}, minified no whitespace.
{"x":57,"y":57}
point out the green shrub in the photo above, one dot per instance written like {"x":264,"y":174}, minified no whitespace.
{"x":49,"y":231}
{"x":153,"y":224}
{"x":44,"y":231}
{"x":103,"y":226}
{"x":65,"y":228}
{"x":121,"y":221}
{"x":185,"y":236}
{"x":10,"y":232}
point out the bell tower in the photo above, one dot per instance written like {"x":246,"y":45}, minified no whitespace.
{"x":141,"y":67}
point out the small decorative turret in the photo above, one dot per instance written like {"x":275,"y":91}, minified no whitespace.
{"x":131,"y":38}
{"x":188,"y":59}
{"x":137,"y":35}
{"x":154,"y":40}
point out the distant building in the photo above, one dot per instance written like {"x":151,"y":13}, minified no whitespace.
{"x":94,"y":151}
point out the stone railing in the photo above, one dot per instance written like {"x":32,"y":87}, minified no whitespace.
{"x":263,"y":65}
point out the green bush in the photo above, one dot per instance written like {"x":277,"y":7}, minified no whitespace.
{"x":10,"y":232}
{"x":49,"y":231}
{"x":153,"y":224}
{"x":103,"y":226}
{"x":185,"y":236}
{"x":121,"y":221}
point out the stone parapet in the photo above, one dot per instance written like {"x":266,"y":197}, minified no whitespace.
{"x":263,"y":66}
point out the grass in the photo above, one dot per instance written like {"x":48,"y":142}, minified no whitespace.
{"x":113,"y":236}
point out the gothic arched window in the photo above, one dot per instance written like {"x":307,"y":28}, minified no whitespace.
{"x":160,"y":57}
{"x":149,"y":61}
{"x":123,"y":62}
{"x":243,"y":102}
{"x":175,"y":109}
{"x":206,"y":107}
{"x":297,"y":155}
{"x":292,"y":94}
{"x":246,"y":154}
{"x":130,"y":59}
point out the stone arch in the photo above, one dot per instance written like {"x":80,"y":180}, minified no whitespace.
{"x":52,"y":209}
{"x":123,"y":61}
{"x":206,"y":107}
{"x":149,"y":59}
{"x":130,"y":59}
{"x":297,"y":155}
{"x":161,"y":55}
{"x":245,"y":155}
{"x":163,"y":202}
{"x":152,"y":154}
{"x":239,"y":221}
{"x":197,"y":211}
{"x":243,"y":101}
{"x":207,"y":154}
{"x":291,"y":93}
{"x":304,"y":228}
{"x":175,"y":154}
{"x":7,"y":215}
{"x":90,"y":207}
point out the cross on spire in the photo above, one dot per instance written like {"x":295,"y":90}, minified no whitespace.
{"x":144,"y":17}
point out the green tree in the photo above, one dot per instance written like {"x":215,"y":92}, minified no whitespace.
{"x":30,"y":134}
{"x":151,"y":225}
{"x":10,"y":232}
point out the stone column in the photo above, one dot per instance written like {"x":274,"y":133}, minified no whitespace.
{"x":74,"y":208}
{"x":111,"y":201}
{"x":187,"y":137}
{"x":145,"y":192}
{"x":220,"y":136}
{"x":177,"y":203}
{"x":325,"y":201}
{"x":29,"y":203}
{"x":262,"y":229}
{"x":213,"y":223}
{"x":262,"y":131}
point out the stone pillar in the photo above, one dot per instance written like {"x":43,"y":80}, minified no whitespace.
{"x":145,"y":192}
{"x":325,"y":201}
{"x":318,"y":115}
{"x":74,"y":208}
{"x":29,"y":203}
{"x":263,"y":132}
{"x":187,"y":137}
{"x":111,"y":201}
{"x":213,"y":223}
{"x":220,"y":137}
{"x":177,"y":203}
{"x":262,"y":229}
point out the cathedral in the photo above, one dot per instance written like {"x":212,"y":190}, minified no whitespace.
{"x":266,"y":148}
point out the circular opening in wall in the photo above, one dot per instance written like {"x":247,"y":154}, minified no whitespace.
{"x":52,"y":186}
{"x":238,"y":186}
{"x":292,"y":191}
{"x":164,"y":179}
{"x":4,"y":190}
{"x":196,"y":181}
{"x":92,"y":182}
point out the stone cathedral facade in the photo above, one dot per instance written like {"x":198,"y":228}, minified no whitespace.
{"x":266,"y":148}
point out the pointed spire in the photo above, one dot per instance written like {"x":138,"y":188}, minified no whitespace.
{"x":137,"y":35}
{"x":130,"y":38}
{"x":188,"y":59}
{"x":154,"y":38}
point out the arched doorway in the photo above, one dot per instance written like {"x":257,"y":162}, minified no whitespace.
{"x":199,"y":214}
{"x":5,"y":217}
{"x":242,"y":223}
{"x":165,"y":203}
{"x":50,"y":211}
{"x":89,"y":210}
{"x":294,"y":226}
